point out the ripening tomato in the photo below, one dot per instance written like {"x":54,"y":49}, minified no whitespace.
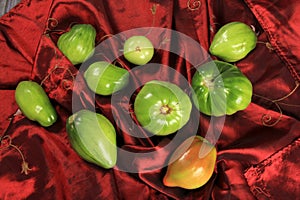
{"x":192,"y":164}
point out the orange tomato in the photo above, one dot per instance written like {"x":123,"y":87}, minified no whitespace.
{"x":192,"y":164}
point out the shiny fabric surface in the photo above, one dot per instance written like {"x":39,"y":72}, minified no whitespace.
{"x":258,"y":149}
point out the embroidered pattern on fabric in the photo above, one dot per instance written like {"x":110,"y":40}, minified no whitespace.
{"x":51,"y":23}
{"x":193,"y":5}
{"x":5,"y":143}
{"x":153,"y":10}
{"x":260,"y":187}
{"x":267,"y":119}
{"x":64,"y":82}
{"x":262,"y":191}
{"x":267,"y":44}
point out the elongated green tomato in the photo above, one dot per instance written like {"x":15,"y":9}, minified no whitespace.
{"x":93,"y":137}
{"x":34,"y":103}
{"x":162,"y":107}
{"x":104,"y":78}
{"x":78,"y":44}
{"x":233,"y":42}
{"x":138,"y":50}
{"x":220,"y":88}
{"x":192,"y":164}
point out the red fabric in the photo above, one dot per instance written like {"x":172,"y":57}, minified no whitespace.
{"x":258,"y":150}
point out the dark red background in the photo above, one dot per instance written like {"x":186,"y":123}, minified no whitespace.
{"x":257,"y":158}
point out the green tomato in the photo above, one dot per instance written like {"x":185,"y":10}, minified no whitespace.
{"x":93,"y":137}
{"x":233,"y":42}
{"x":220,"y":88}
{"x":138,"y":50}
{"x":104,"y":78}
{"x":162,"y":107}
{"x":34,"y":103}
{"x":78,"y":44}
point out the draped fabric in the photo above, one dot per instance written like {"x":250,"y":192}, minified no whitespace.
{"x":258,"y":148}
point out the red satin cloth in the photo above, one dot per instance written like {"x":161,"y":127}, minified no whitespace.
{"x":258,"y":150}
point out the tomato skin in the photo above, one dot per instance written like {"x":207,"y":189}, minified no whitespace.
{"x":138,"y":50}
{"x":192,"y":164}
{"x":78,"y":44}
{"x":233,"y":42}
{"x":220,"y":88}
{"x":34,"y":103}
{"x":162,"y":107}
{"x":93,"y":137}
{"x":104,"y":78}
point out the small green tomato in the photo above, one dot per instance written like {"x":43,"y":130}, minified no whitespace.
{"x":138,"y":50}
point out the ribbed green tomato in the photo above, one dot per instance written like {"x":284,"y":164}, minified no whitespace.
{"x":34,"y":103}
{"x":104,"y":78}
{"x":93,"y":137}
{"x":78,"y":44}
{"x":162,"y":107}
{"x":220,"y":88}
{"x":233,"y":42}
